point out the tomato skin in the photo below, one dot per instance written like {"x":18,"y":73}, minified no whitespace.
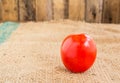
{"x":78,"y":52}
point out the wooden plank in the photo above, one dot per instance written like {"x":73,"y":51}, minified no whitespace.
{"x":94,"y":10}
{"x":9,"y":10}
{"x":43,"y":10}
{"x":50,"y":10}
{"x":58,"y":9}
{"x":27,"y":11}
{"x":111,"y":11}
{"x":0,"y":10}
{"x":77,"y":9}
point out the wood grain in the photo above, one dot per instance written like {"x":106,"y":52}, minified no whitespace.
{"x":77,"y":9}
{"x":94,"y":10}
{"x":27,"y":11}
{"x":0,"y":11}
{"x":58,"y":9}
{"x":111,"y":11}
{"x":66,"y":9}
{"x":99,"y":11}
{"x":9,"y":11}
{"x":43,"y":10}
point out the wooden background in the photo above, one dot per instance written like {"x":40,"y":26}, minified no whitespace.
{"x":105,"y":11}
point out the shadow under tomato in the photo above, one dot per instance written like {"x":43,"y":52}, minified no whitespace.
{"x":62,"y":69}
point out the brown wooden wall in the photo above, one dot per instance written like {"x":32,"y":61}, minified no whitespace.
{"x":105,"y":11}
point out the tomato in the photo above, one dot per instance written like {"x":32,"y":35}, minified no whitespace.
{"x":78,"y":52}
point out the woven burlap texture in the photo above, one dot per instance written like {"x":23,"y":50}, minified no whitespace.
{"x":32,"y":53}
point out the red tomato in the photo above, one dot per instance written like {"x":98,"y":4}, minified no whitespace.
{"x":78,"y":52}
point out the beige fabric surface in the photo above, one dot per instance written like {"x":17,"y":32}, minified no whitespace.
{"x":32,"y":53}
